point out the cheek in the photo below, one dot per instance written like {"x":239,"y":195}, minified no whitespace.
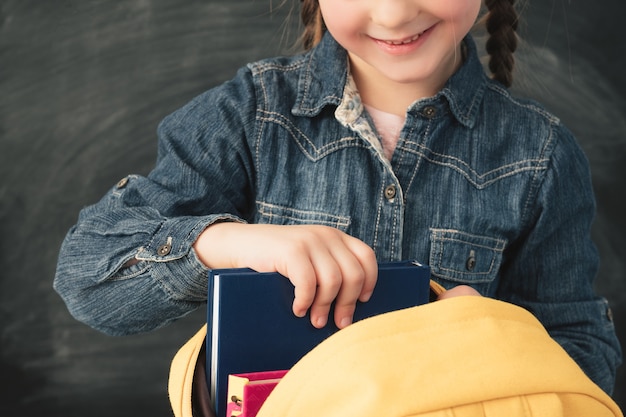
{"x":462,"y":12}
{"x":472,"y":10}
{"x":341,"y":20}
{"x":460,"y":15}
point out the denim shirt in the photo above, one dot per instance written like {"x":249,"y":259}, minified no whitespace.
{"x":490,"y":191}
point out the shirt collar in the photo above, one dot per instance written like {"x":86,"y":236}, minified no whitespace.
{"x":322,"y":78}
{"x":464,"y":91}
{"x":324,"y":75}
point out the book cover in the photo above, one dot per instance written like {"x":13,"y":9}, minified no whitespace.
{"x":248,"y":391}
{"x":251,"y":326}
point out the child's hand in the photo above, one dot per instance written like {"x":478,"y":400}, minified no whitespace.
{"x":322,"y":263}
{"x":458,"y":291}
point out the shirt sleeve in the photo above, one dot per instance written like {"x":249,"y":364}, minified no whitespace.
{"x":128,"y":265}
{"x":551,"y":270}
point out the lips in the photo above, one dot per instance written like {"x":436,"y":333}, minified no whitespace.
{"x":403,"y":46}
{"x":404,"y":41}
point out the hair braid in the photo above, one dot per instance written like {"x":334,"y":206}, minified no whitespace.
{"x":314,"y":28}
{"x":501,"y":22}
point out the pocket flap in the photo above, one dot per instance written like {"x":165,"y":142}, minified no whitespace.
{"x":463,"y":257}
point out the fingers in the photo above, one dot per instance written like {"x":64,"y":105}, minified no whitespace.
{"x":359,"y":274}
{"x":329,"y":278}
{"x":323,"y":263}
{"x":342,"y":270}
{"x":459,"y":291}
{"x":303,"y":276}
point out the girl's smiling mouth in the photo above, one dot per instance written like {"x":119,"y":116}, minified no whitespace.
{"x":404,"y":45}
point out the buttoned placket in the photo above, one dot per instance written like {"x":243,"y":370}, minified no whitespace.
{"x":405,"y":164}
{"x":390,"y":218}
{"x":390,"y":208}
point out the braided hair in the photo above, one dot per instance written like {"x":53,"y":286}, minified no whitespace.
{"x":501,"y":24}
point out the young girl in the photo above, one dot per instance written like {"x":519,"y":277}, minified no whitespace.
{"x":385,"y":141}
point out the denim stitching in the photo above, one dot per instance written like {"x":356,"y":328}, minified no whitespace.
{"x":267,"y":209}
{"x":319,"y":153}
{"x":469,"y":173}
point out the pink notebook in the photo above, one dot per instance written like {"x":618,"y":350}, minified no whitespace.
{"x":248,"y":391}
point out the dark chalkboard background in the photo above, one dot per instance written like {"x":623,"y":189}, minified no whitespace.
{"x":83,"y":84}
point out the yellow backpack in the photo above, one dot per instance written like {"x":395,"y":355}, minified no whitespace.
{"x":461,"y":357}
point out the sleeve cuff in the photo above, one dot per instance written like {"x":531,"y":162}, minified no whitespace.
{"x":174,"y":262}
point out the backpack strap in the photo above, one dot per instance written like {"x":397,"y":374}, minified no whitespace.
{"x":436,"y":290}
{"x":187,"y":388}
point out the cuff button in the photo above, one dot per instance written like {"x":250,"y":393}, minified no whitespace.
{"x":122,"y":183}
{"x":164,"y":249}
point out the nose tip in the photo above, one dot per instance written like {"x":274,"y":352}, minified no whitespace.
{"x":393,"y":13}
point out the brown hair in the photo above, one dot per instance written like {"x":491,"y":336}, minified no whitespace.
{"x":501,"y":22}
{"x":311,"y":16}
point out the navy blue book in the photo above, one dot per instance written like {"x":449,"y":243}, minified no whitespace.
{"x":252,"y":328}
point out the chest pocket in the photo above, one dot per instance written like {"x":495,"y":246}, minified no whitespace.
{"x":463,"y":258}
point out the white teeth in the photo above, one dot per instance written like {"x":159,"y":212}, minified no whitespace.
{"x":413,"y":39}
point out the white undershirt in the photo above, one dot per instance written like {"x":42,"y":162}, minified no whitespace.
{"x":388,"y":126}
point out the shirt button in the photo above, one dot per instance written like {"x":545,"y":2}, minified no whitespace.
{"x":470,"y":264}
{"x":429,"y":112}
{"x":390,"y":192}
{"x":164,"y":249}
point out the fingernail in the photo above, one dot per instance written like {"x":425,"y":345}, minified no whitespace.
{"x":345,"y":322}
{"x":366,"y":297}
{"x":320,"y":322}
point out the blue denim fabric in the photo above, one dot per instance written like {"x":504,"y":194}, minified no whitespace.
{"x":489,"y":190}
